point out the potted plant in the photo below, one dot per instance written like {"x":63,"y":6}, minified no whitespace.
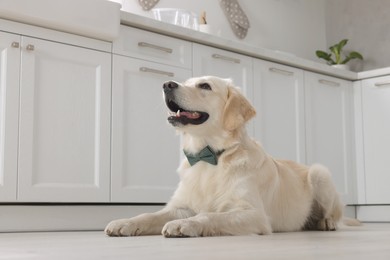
{"x":338,"y":60}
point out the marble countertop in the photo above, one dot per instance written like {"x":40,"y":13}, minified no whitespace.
{"x":149,"y":24}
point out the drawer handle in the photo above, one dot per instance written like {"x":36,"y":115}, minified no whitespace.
{"x":382,"y":84}
{"x":15,"y":45}
{"x":329,"y":83}
{"x":160,"y":72}
{"x":222,"y":57}
{"x":30,"y":47}
{"x":280,"y":71}
{"x":156,"y":47}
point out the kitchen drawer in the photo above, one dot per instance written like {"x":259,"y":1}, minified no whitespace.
{"x":153,"y":47}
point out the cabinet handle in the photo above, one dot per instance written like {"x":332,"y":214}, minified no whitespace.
{"x":329,"y":83}
{"x":15,"y":45}
{"x":382,"y":84}
{"x":280,"y":71}
{"x":30,"y":47}
{"x":156,"y":47}
{"x":160,"y":72}
{"x":222,"y":57}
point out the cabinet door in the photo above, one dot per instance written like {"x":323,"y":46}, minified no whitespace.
{"x":9,"y":108}
{"x":329,"y":129}
{"x":376,"y":130}
{"x":145,"y":149}
{"x":279,"y":102}
{"x":224,"y":64}
{"x":141,"y":44}
{"x":64,"y":123}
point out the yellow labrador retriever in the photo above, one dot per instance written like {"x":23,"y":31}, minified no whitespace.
{"x":229,"y":184}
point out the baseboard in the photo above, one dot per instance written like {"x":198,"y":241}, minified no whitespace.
{"x":373,"y":213}
{"x":350,"y":211}
{"x":28,"y":218}
{"x":24,"y":218}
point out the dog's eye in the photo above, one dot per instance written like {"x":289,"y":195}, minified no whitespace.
{"x":205,"y":86}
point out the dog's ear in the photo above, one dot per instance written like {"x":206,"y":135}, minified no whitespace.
{"x":237,"y":110}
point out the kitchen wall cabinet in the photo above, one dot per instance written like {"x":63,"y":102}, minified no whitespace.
{"x":329,"y":129}
{"x":374,"y":119}
{"x":279,"y":101}
{"x":9,"y":110}
{"x":64,"y":131}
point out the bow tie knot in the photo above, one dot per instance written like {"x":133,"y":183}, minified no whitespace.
{"x":207,"y":154}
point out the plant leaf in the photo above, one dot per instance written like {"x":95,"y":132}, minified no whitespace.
{"x":355,"y":55}
{"x":336,"y":52}
{"x":324,"y":55}
{"x":341,"y":44}
{"x":337,"y":49}
{"x":352,"y":55}
{"x":345,"y":60}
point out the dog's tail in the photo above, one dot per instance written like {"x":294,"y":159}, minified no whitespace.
{"x":351,"y":222}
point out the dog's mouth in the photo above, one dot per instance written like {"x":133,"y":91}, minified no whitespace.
{"x":179,"y":115}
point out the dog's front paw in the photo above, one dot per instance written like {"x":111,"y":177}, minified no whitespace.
{"x":182,"y":228}
{"x":123,"y":228}
{"x":327,"y":224}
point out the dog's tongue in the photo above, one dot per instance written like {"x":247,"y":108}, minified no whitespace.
{"x":191,"y":115}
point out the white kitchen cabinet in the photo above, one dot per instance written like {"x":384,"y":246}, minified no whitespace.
{"x":225,"y":64}
{"x":329,"y":129}
{"x":141,"y":44}
{"x":64,"y":131}
{"x":145,"y":149}
{"x":279,"y":102}
{"x":9,"y":110}
{"x":375,"y":101}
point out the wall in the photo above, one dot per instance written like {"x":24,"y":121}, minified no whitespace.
{"x":293,"y":26}
{"x":301,"y":27}
{"x":367,"y":26}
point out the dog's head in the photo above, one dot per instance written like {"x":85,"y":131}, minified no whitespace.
{"x":205,"y":104}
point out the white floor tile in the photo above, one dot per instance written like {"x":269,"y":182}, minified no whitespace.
{"x":371,"y":241}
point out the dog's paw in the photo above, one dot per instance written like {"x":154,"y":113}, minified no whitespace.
{"x":327,"y":224}
{"x":123,"y":228}
{"x":182,"y":228}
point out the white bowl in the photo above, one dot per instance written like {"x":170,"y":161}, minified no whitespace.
{"x":176,"y":16}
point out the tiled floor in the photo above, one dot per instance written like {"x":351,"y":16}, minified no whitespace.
{"x":371,"y":241}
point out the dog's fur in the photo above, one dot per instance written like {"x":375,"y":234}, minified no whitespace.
{"x":248,"y":191}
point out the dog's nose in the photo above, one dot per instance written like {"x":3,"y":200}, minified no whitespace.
{"x":169,"y":86}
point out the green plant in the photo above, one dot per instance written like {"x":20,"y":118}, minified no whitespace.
{"x":336,"y":50}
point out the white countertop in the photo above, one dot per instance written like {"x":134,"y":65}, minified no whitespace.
{"x":373,"y":73}
{"x":242,"y":48}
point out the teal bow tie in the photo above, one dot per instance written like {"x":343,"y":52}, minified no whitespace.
{"x":206,"y":154}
